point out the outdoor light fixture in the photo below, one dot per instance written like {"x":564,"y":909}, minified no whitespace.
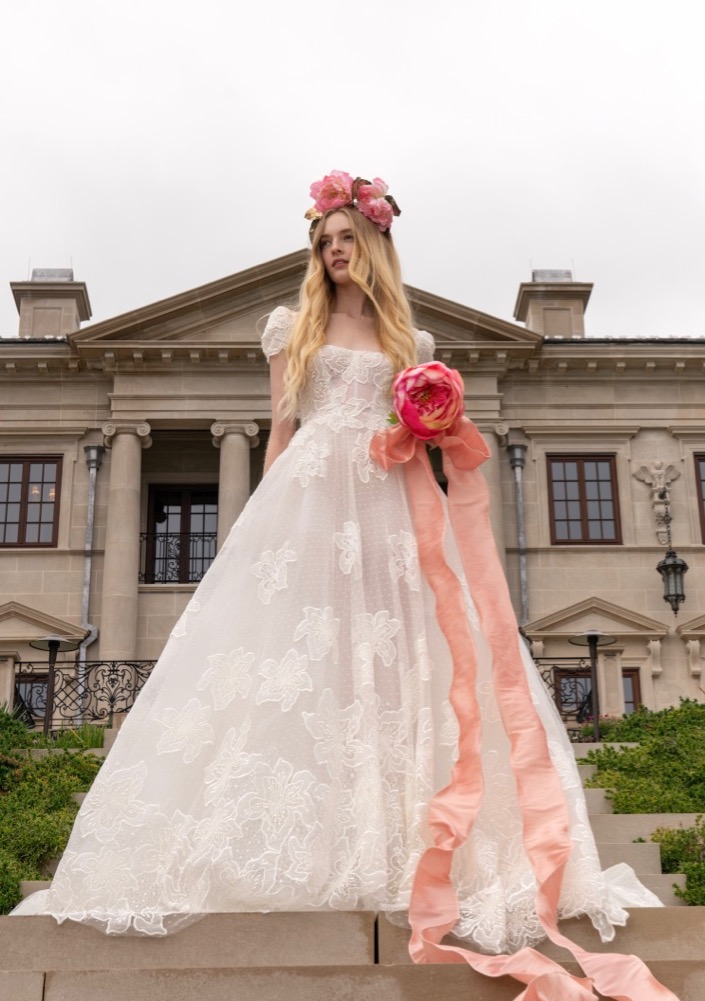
{"x":672,"y":568}
{"x":52,"y":644}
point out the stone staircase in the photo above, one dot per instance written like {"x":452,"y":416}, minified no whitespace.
{"x":336,"y":956}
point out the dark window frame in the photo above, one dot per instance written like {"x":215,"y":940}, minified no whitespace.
{"x":700,"y":487}
{"x":632,"y":674}
{"x":27,"y":461}
{"x":581,"y":458}
{"x":152,"y":558}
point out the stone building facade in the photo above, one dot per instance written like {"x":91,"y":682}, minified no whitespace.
{"x":128,"y":447}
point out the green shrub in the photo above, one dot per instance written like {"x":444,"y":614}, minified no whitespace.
{"x":11,"y":872}
{"x":36,"y":808}
{"x":13,"y":732}
{"x":85,"y":736}
{"x":666,"y":772}
{"x":683,"y":850}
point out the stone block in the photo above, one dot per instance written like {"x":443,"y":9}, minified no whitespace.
{"x":342,"y":983}
{"x":652,"y":933}
{"x":662,"y":884}
{"x":621,"y":827}
{"x":643,"y":857}
{"x":597,"y":802}
{"x":21,"y":986}
{"x":402,"y":983}
{"x":217,"y":940}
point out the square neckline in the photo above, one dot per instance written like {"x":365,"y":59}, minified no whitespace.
{"x":354,"y":351}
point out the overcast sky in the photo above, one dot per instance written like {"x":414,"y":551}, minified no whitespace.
{"x":155,"y":146}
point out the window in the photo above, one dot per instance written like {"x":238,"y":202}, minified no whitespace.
{"x":632,"y":690}
{"x":573,"y":692}
{"x":700,"y":480}
{"x":583,"y":499}
{"x":29,"y":501}
{"x":181,"y":540}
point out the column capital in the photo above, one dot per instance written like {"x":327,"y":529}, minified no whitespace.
{"x":141,"y":429}
{"x":248,"y":429}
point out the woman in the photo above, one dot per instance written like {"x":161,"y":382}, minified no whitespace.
{"x":285,"y":750}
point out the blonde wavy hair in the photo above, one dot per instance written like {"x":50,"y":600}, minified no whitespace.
{"x":374,"y":267}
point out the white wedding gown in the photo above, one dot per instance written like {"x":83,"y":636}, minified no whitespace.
{"x":283,"y":752}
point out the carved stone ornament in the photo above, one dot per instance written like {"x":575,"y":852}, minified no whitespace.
{"x":658,"y":477}
{"x":140,"y":429}
{"x":249,"y":430}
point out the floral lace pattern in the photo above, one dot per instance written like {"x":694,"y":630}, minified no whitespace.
{"x":283,"y":752}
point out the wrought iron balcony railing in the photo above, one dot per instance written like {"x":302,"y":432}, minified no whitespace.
{"x":176,"y":558}
{"x":568,"y":681}
{"x":95,"y":691}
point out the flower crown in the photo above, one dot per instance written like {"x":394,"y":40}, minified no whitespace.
{"x":338,"y":190}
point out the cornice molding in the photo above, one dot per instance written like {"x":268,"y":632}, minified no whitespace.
{"x":615,"y":430}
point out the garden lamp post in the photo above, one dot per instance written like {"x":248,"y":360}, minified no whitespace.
{"x":592,"y":638}
{"x":52,"y":644}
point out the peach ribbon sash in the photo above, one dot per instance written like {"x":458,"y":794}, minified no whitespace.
{"x":433,"y":910}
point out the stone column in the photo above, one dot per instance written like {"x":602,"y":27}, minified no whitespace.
{"x":118,"y":620}
{"x":7,"y":679}
{"x":234,"y":439}
{"x":493,"y":474}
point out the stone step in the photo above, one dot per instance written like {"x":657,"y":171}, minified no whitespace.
{"x":269,"y":957}
{"x":662,"y":885}
{"x":582,"y":750}
{"x":586,"y":771}
{"x":655,"y":934}
{"x":109,"y":738}
{"x":609,"y":828}
{"x":643,"y":857}
{"x":597,"y":802}
{"x":29,"y":886}
{"x":43,"y":752}
{"x":340,"y":938}
{"x":342,"y":983}
{"x":279,"y":939}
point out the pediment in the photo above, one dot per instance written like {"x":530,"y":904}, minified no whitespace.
{"x":228,"y":313}
{"x":452,"y":322}
{"x":20,"y":624}
{"x":693,"y":628}
{"x":594,"y":613}
{"x":225,"y":312}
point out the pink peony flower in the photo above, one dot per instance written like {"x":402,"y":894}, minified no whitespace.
{"x":371,"y":201}
{"x":428,"y":399}
{"x":334,"y":191}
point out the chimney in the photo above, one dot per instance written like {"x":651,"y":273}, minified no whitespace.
{"x":552,"y":304}
{"x":51,"y":304}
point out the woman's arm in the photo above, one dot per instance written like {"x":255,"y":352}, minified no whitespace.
{"x":282,"y":427}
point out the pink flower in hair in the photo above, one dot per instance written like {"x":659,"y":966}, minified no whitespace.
{"x":334,"y":191}
{"x":373,"y":203}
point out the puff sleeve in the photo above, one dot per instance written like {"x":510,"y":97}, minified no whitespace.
{"x":425,"y":346}
{"x":277,"y":331}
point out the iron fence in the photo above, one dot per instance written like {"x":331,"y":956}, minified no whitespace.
{"x":177,"y":557}
{"x":84,"y":692}
{"x":568,"y":681}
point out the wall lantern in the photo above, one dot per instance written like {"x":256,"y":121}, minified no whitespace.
{"x":672,"y":568}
